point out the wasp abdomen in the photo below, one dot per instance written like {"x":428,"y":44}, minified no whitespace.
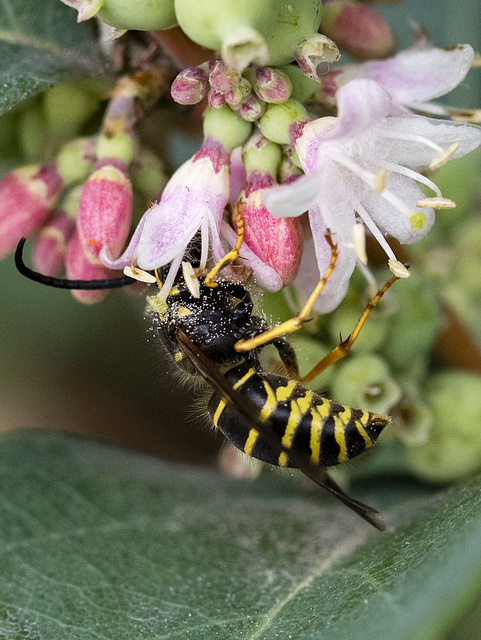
{"x":327,"y":432}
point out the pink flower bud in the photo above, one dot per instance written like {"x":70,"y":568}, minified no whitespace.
{"x":216,"y":99}
{"x":276,"y":241}
{"x":79,"y":267}
{"x":357,"y":29}
{"x":26,"y":197}
{"x":51,"y":245}
{"x":239,"y":93}
{"x":105,"y":209}
{"x":272,"y":85}
{"x":250,"y":109}
{"x":222,"y":78}
{"x":190,"y":86}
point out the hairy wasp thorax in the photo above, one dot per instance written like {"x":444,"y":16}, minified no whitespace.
{"x":214,"y":321}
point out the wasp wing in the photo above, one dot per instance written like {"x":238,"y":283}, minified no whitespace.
{"x":248,"y":412}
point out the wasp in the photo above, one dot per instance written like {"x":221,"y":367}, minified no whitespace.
{"x":211,"y":333}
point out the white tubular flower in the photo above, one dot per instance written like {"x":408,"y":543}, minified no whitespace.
{"x":194,"y":199}
{"x":364,"y":165}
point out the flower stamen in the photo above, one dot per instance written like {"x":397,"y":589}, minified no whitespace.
{"x":380,"y":181}
{"x":370,"y":224}
{"x":415,"y":175}
{"x":436,"y":203}
{"x":444,"y":157}
{"x":359,"y":245}
{"x":139,"y":274}
{"x":190,"y":279}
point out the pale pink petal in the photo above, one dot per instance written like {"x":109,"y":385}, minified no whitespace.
{"x":308,"y":277}
{"x":292,"y":199}
{"x":361,"y":105}
{"x":131,"y":251}
{"x":416,"y":74}
{"x":417,"y":153}
{"x":390,"y":220}
{"x":167,"y":230}
{"x":237,"y":175}
{"x":341,"y":231}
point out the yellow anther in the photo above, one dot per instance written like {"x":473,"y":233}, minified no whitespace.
{"x":444,"y":157}
{"x":359,"y":237}
{"x":139,"y":274}
{"x":398,"y":269}
{"x":436,"y":203}
{"x":465,"y":115}
{"x":380,"y":180}
{"x":191,"y":280}
{"x":477,"y":60}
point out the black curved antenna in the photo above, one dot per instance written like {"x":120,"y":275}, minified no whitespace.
{"x":64,"y":283}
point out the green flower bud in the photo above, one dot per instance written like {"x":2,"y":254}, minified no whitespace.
{"x":120,"y":147}
{"x":76,"y":160}
{"x":67,"y":107}
{"x":365,"y":381}
{"x":142,"y":15}
{"x":148,"y":174}
{"x":226,"y":127}
{"x":251,"y":31}
{"x":276,"y":122}
{"x":412,"y":421}
{"x":453,"y":448}
{"x":261,"y":155}
{"x":303,"y":88}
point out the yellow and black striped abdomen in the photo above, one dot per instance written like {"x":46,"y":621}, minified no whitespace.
{"x":327,"y":432}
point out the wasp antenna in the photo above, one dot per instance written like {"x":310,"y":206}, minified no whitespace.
{"x":64,"y":283}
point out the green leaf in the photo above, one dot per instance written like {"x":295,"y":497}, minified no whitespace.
{"x":102,"y":543}
{"x":41,"y":45}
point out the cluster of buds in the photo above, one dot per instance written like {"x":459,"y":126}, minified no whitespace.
{"x":360,"y":170}
{"x":83,"y":200}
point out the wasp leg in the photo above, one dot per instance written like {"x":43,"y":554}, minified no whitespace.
{"x":286,"y":352}
{"x":294,"y":323}
{"x":234,"y":253}
{"x":344,"y":347}
{"x":288,"y":356}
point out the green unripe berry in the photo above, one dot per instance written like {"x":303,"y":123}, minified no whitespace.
{"x":121,"y":146}
{"x":226,"y":127}
{"x":303,"y":88}
{"x":453,"y":448}
{"x":265,"y":157}
{"x":142,"y":15}
{"x":365,"y":382}
{"x":276,"y":24}
{"x":148,"y":173}
{"x":275,"y":123}
{"x":67,"y":107}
